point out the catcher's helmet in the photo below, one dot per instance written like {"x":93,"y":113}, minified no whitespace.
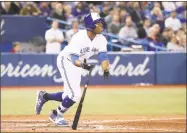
{"x":91,"y":19}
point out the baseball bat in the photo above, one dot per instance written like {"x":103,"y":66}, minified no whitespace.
{"x":79,"y":109}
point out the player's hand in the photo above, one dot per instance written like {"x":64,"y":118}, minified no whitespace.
{"x":87,"y":66}
{"x":106,"y":74}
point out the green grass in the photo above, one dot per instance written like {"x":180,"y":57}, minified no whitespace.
{"x":103,"y":102}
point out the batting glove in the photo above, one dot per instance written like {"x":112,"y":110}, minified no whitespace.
{"x":87,"y":66}
{"x":106,"y":74}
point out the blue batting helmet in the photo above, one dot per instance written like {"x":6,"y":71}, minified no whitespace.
{"x":91,"y":19}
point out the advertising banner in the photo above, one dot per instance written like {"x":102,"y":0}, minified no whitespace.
{"x":41,"y":70}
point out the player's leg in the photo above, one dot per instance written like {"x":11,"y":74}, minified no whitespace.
{"x":72,"y":91}
{"x":42,"y":96}
{"x":53,"y":96}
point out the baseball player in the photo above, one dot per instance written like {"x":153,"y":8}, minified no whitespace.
{"x":70,"y":63}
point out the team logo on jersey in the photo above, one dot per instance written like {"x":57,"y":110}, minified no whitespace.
{"x":95,"y":50}
{"x":84,"y":50}
{"x":87,"y":49}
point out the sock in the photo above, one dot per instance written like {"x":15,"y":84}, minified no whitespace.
{"x":53,"y":96}
{"x":65,"y":105}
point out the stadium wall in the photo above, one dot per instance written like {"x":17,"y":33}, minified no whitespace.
{"x":144,"y":68}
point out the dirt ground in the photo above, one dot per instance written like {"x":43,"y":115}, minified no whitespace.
{"x":110,"y":123}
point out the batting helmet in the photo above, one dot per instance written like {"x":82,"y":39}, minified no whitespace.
{"x":91,"y":19}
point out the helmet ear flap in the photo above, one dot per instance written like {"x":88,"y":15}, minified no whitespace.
{"x":93,"y":26}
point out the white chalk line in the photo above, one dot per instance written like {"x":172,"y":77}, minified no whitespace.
{"x":133,"y":120}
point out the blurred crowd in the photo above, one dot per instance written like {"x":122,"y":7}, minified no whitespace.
{"x":161,"y":23}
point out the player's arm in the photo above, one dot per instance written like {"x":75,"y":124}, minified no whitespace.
{"x":103,"y":59}
{"x":75,"y":60}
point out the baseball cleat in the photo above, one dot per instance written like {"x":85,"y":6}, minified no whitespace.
{"x":61,"y":122}
{"x":53,"y":116}
{"x":58,"y":119}
{"x":39,"y":101}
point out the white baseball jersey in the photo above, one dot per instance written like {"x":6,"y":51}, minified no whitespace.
{"x":82,"y":46}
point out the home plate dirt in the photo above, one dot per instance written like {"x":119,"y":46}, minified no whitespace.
{"x":109,"y":123}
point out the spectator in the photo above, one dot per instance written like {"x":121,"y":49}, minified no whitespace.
{"x":73,"y":30}
{"x":59,"y":13}
{"x":183,"y":42}
{"x":167,"y":34}
{"x":154,"y":31}
{"x":52,"y":5}
{"x":144,"y":6}
{"x":30,"y":9}
{"x":141,"y":31}
{"x":157,"y":4}
{"x":110,"y":4}
{"x":121,"y":4}
{"x":169,"y":6}
{"x":180,"y":4}
{"x":181,"y":8}
{"x":93,"y":8}
{"x":153,"y":38}
{"x":80,"y":9}
{"x":54,"y":38}
{"x":180,"y":33}
{"x":174,"y":45}
{"x":146,"y":25}
{"x":157,"y":17}
{"x":173,"y":22}
{"x":68,"y":14}
{"x":22,"y":4}
{"x":44,"y":8}
{"x":136,"y":13}
{"x":123,"y":14}
{"x":115,"y":26}
{"x":16,"y":47}
{"x":9,"y":8}
{"x":104,"y":11}
{"x":128,"y":31}
{"x":156,"y":14}
{"x":37,"y":44}
{"x":108,"y":18}
{"x":128,"y":6}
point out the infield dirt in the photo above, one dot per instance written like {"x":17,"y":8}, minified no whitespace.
{"x":110,"y":123}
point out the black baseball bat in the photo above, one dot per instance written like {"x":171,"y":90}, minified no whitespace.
{"x":79,"y":109}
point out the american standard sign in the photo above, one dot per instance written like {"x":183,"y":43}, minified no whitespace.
{"x":126,"y":69}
